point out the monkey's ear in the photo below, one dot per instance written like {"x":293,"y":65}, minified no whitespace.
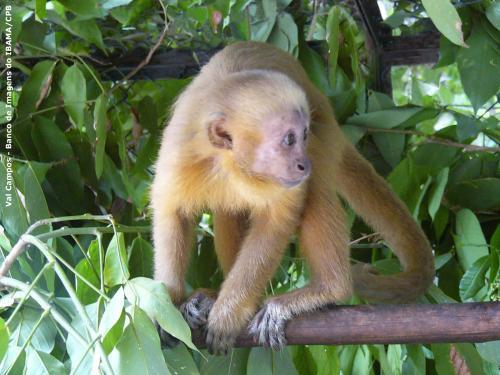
{"x":217,"y":133}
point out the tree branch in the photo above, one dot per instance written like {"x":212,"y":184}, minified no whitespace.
{"x":390,"y":324}
{"x":150,"y":53}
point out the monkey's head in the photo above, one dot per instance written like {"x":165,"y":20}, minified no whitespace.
{"x":263,"y":125}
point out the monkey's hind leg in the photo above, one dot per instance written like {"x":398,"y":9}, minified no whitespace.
{"x":324,"y":244}
{"x":229,"y":231}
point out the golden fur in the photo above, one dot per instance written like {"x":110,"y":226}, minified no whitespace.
{"x":254,"y":217}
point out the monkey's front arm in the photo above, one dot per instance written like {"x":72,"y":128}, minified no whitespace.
{"x":257,"y":261}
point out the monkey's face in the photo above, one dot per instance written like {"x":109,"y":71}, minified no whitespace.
{"x":271,"y":149}
{"x":281,"y":155}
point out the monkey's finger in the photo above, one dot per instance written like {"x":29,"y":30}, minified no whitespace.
{"x":277,"y":339}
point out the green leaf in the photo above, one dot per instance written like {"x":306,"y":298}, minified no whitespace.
{"x":12,"y":212}
{"x":233,"y":364}
{"x":40,"y":10}
{"x":478,"y":67}
{"x":35,"y":88}
{"x":490,"y":351}
{"x":469,"y":240}
{"x":378,"y":101}
{"x":14,"y":361}
{"x":353,"y":133}
{"x":148,"y":115}
{"x":439,"y":296}
{"x":87,"y":30}
{"x":89,"y":269}
{"x":110,"y":4}
{"x":152,"y":297}
{"x":333,"y":40}
{"x":414,"y":363}
{"x":384,"y":119}
{"x":315,"y":69}
{"x":442,"y":259}
{"x":283,"y":362}
{"x":285,"y":34}
{"x":84,"y":9}
{"x":141,"y":258}
{"x":438,"y":191}
{"x":447,"y":52}
{"x":471,"y":356}
{"x":100,"y":123}
{"x":138,"y":351}
{"x":442,"y":359}
{"x":474,"y":279}
{"x":395,"y":358}
{"x":115,"y":267}
{"x":326,"y":358}
{"x":478,"y":195}
{"x":493,"y":14}
{"x":42,"y":363}
{"x":434,"y":157}
{"x":391,"y":146}
{"x":397,"y":18}
{"x":362,"y":361}
{"x":4,"y":338}
{"x":22,"y":324}
{"x":446,"y":19}
{"x":304,"y":361}
{"x":264,"y":20}
{"x":180,"y":361}
{"x":260,"y":362}
{"x":111,"y":323}
{"x":74,"y":92}
{"x":75,"y":349}
{"x":467,"y":128}
{"x":34,"y":198}
{"x":64,"y":176}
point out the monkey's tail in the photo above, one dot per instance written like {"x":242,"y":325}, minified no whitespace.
{"x":370,"y":196}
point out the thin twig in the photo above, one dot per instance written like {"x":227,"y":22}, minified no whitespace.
{"x":488,"y":109}
{"x":150,"y":53}
{"x":14,"y":253}
{"x":366,"y":236}
{"x":434,"y":139}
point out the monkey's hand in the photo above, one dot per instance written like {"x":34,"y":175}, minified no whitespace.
{"x":222,"y":329}
{"x":196,"y":309}
{"x":268,"y":325}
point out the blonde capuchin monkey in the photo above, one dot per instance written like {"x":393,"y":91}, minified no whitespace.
{"x":255,"y":142}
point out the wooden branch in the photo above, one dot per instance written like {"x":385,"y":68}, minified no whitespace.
{"x":390,"y":324}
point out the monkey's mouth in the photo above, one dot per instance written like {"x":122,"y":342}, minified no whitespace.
{"x":287,"y":183}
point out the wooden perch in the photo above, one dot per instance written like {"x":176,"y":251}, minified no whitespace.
{"x":390,"y":324}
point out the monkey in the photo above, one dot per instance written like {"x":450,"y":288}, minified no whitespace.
{"x":252,"y":140}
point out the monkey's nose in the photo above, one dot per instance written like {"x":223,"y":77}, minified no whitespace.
{"x":304,"y":166}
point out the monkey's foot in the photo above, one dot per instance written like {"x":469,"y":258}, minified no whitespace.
{"x":196,"y":309}
{"x":219,"y":342}
{"x":268,"y":326}
{"x":166,"y":338}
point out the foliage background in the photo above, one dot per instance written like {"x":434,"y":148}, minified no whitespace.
{"x":80,"y":298}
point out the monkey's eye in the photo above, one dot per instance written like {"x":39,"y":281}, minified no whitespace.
{"x":305,"y":134}
{"x":289,"y":139}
